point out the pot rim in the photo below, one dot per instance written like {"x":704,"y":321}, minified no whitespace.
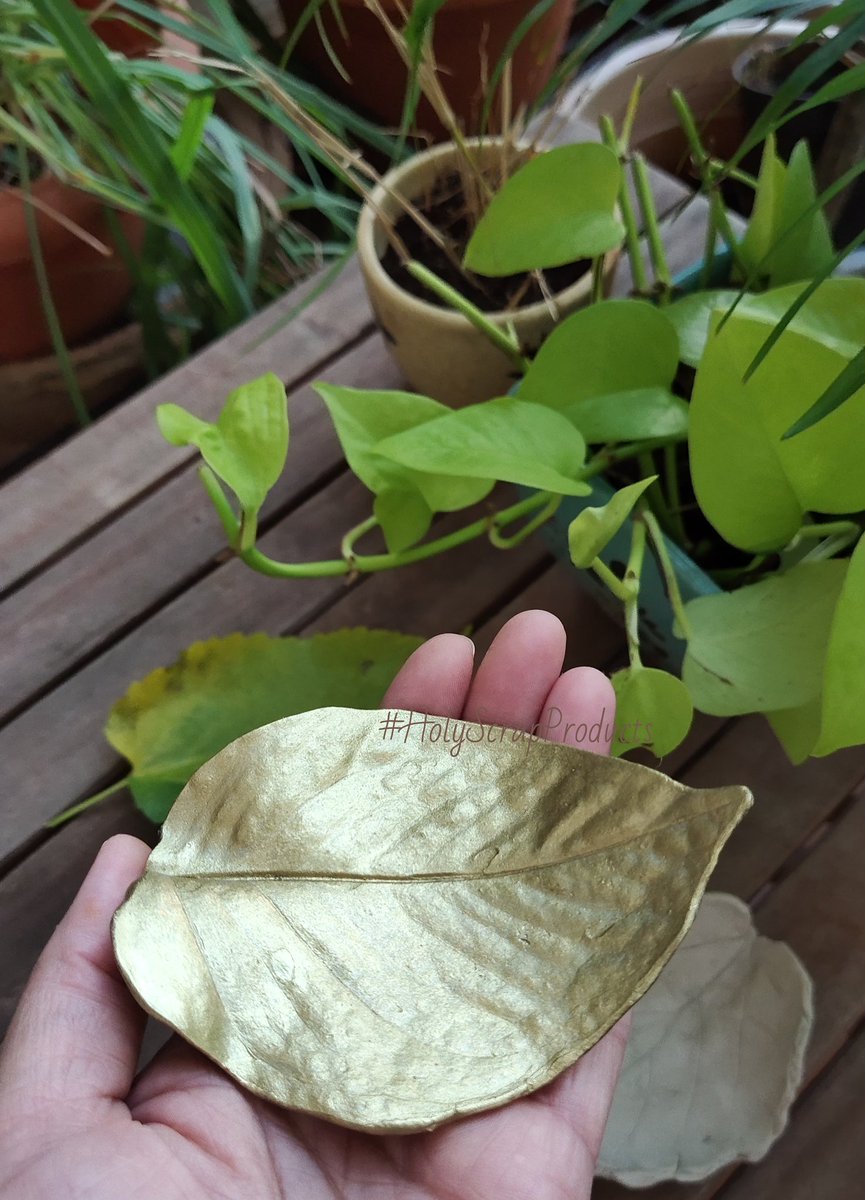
{"x":381,"y":198}
{"x":665,"y":39}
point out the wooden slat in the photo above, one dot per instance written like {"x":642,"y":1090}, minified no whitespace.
{"x":789,"y":802}
{"x":819,"y":910}
{"x":99,"y":472}
{"x":30,"y":910}
{"x":822,"y":1154}
{"x":64,"y":614}
{"x":65,"y":725}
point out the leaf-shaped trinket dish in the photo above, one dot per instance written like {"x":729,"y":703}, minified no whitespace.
{"x":392,"y":921}
{"x":715,"y":1055}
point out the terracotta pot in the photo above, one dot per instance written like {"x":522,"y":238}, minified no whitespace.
{"x":439,"y":351}
{"x":702,"y":70}
{"x":88,"y":288}
{"x":117,"y":33}
{"x":468,"y":41}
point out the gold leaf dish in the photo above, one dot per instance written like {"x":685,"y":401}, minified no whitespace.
{"x":394,"y":930}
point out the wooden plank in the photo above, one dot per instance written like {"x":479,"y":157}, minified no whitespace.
{"x":68,"y":721}
{"x":819,"y":910}
{"x":790,"y":803}
{"x":100,"y":472}
{"x":97,"y":474}
{"x":30,"y":910}
{"x":822,"y":1154}
{"x":64,"y":614}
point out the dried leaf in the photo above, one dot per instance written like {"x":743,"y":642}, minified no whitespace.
{"x":715,"y":1054}
{"x":363,"y":917}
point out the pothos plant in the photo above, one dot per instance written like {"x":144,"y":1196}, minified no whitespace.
{"x":679,"y":402}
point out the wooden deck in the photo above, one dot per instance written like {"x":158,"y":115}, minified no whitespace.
{"x":111,"y":562}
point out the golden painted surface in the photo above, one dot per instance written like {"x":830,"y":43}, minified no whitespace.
{"x":395,"y":929}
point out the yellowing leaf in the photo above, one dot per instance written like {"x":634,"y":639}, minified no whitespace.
{"x":392,"y":924}
{"x":178,"y":717}
{"x":715,"y":1054}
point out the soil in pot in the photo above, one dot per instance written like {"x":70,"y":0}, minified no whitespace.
{"x":446,"y":211}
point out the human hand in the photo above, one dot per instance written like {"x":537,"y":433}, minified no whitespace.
{"x":76,"y":1123}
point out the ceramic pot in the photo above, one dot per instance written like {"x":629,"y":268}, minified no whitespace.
{"x":469,"y":38}
{"x":440,"y":352}
{"x":89,"y":289}
{"x":702,"y":70}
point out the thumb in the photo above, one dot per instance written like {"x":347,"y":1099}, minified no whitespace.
{"x":77,"y":1031}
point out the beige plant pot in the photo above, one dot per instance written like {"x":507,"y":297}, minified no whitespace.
{"x":702,"y":70}
{"x":439,"y":351}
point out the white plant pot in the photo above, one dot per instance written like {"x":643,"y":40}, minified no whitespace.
{"x":701,"y":70}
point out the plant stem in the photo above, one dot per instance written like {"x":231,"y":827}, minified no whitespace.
{"x":610,"y":579}
{"x":719,"y":221}
{"x":354,"y":535}
{"x":657,"y":253}
{"x":629,"y":219}
{"x":220,"y":502}
{"x":505,"y":341}
{"x":516,"y":539}
{"x":821,"y":529}
{"x":597,"y":279}
{"x":610,"y":455}
{"x":669,"y":572}
{"x":49,"y":309}
{"x":69,"y":813}
{"x":372,"y":563}
{"x":633,"y":574}
{"x":674,"y":497}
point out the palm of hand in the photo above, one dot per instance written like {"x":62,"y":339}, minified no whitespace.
{"x":75,"y":1124}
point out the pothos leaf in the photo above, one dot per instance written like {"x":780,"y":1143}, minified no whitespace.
{"x":762,"y":647}
{"x":429,"y":934}
{"x":178,"y":717}
{"x":558,"y":208}
{"x":715,"y":1054}
{"x":504,"y":439}
{"x":607,"y":348}
{"x":363,"y":418}
{"x":246,"y":446}
{"x":590,"y":531}
{"x":654,"y":706}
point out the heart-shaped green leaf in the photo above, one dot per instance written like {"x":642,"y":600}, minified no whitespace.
{"x":178,"y":717}
{"x":762,"y":647}
{"x":246,"y":446}
{"x":590,"y":531}
{"x":752,"y":485}
{"x":653,"y":709}
{"x":406,"y":500}
{"x":504,"y":439}
{"x":611,"y":347}
{"x":630,"y":416}
{"x":558,"y":208}
{"x":715,"y":1054}
{"x":359,"y":923}
{"x":842,"y":721}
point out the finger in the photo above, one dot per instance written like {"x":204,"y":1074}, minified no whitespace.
{"x":436,"y":678}
{"x":518,"y":671}
{"x":76,"y":1034}
{"x":580,"y":710}
{"x":583,"y":1094}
